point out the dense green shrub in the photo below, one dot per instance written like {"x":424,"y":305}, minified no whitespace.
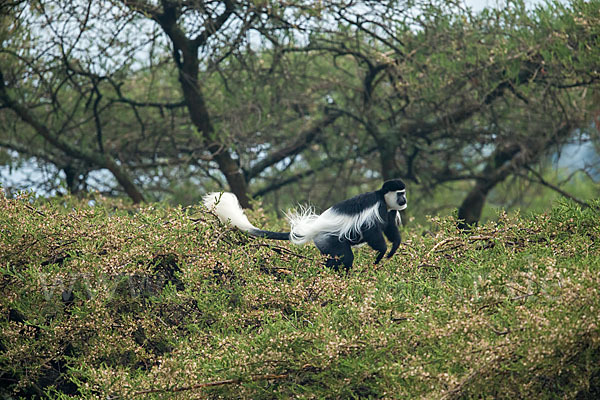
{"x":106,"y":301}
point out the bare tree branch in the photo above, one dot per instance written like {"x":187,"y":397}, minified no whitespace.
{"x":540,"y":179}
{"x":300,"y":144}
{"x":94,"y":158}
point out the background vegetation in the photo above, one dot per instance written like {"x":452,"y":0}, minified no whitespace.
{"x":301,"y":101}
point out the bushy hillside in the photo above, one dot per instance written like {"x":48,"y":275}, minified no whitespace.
{"x":117,"y":303}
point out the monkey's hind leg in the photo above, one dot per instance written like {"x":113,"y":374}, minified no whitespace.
{"x":338,"y":251}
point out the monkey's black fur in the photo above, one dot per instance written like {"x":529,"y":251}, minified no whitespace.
{"x":365,"y":218}
{"x":339,"y":250}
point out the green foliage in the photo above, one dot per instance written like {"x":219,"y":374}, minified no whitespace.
{"x":161,"y":302}
{"x":312,"y":101}
{"x":523,"y":195}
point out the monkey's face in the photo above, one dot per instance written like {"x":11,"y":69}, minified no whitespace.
{"x":396,"y":200}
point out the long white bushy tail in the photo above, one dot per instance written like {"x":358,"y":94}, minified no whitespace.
{"x":305,"y":225}
{"x":228,"y":209}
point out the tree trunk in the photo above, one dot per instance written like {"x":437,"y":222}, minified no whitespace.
{"x":124,"y":180}
{"x":388,"y":163}
{"x":75,"y":177}
{"x":185,"y":55}
{"x":235,"y":178}
{"x":497,"y":170}
{"x":470,"y":209}
{"x":188,"y":77}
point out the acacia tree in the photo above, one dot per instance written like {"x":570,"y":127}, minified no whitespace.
{"x":103,"y":70}
{"x":212,"y":18}
{"x":51,"y":83}
{"x":445,"y":94}
{"x":268,"y":95}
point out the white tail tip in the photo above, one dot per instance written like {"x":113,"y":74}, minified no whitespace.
{"x":228,"y":209}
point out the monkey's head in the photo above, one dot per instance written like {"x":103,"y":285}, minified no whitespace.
{"x":394,"y":192}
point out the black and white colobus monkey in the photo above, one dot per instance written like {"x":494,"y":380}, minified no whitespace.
{"x":362,"y":219}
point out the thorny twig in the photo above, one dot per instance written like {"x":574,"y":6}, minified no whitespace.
{"x":454,"y":239}
{"x":207,"y":384}
{"x":254,"y":378}
{"x":281,"y":250}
